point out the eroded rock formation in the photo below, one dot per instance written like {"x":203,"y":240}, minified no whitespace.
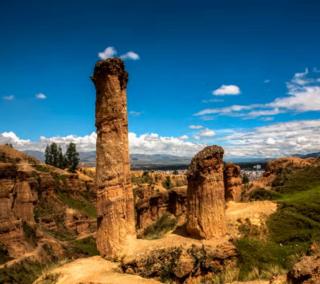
{"x":205,"y":194}
{"x":232,"y":182}
{"x":307,"y":269}
{"x":152,"y":202}
{"x":32,"y":201}
{"x":115,"y":207}
{"x":182,"y":263}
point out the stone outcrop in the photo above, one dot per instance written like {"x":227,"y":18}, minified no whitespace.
{"x":205,"y":194}
{"x":152,"y":202}
{"x":115,"y":206}
{"x":307,"y":270}
{"x":232,"y":182}
{"x":182,"y":264}
{"x":32,"y":200}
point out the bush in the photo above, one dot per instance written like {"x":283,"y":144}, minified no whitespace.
{"x":83,"y":247}
{"x":164,"y":224}
{"x":263,"y":194}
{"x":257,"y":258}
{"x":167,"y":183}
{"x":82,"y":204}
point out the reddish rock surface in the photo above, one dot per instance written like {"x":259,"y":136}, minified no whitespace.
{"x":232,"y":182}
{"x":115,"y":206}
{"x":205,"y":194}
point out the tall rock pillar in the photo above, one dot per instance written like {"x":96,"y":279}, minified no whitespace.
{"x":205,"y":194}
{"x":115,"y":207}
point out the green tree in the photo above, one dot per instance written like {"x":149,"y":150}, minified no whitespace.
{"x":48,"y":156}
{"x":72,"y":157}
{"x":61,"y":163}
{"x":245,"y":179}
{"x":54,"y":155}
{"x":167,"y":183}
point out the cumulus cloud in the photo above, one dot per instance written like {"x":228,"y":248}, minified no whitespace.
{"x":303,"y":96}
{"x":278,"y":139}
{"x":11,"y":138}
{"x":226,"y":90}
{"x":40,"y":96}
{"x":130,"y":55}
{"x":109,"y":52}
{"x":195,"y":126}
{"x":149,"y":143}
{"x":8,"y":98}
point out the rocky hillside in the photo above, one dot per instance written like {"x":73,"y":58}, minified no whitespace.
{"x":45,"y":215}
{"x":293,"y":230}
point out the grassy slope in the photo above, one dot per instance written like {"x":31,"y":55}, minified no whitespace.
{"x":292,"y":229}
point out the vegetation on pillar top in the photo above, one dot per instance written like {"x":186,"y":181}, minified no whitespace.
{"x":209,"y":157}
{"x":111,"y":66}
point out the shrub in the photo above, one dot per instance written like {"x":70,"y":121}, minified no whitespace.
{"x":158,"y":229}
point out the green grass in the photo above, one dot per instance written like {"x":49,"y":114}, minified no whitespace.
{"x":291,"y":229}
{"x":83,"y":247}
{"x":42,"y":168}
{"x":164,"y":224}
{"x":82,"y":204}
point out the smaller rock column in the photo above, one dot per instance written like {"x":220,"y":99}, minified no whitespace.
{"x":232,"y":182}
{"x":205,"y":194}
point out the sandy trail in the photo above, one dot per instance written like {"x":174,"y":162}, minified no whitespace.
{"x":94,"y":270}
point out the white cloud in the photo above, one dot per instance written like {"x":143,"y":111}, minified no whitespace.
{"x":148,"y":143}
{"x":40,"y":96}
{"x":303,"y":96}
{"x":275,"y":140}
{"x":11,"y":138}
{"x":109,"y":52}
{"x":225,"y":110}
{"x":195,"y":126}
{"x":8,"y":98}
{"x":130,"y":55}
{"x":266,"y":81}
{"x":134,"y":113}
{"x":225,"y":90}
{"x":206,"y":133}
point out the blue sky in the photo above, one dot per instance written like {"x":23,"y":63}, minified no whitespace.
{"x":261,"y":55}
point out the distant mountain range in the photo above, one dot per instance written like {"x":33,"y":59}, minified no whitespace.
{"x":159,"y":161}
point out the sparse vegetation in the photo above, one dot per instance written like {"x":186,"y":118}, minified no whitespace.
{"x":82,"y":203}
{"x":164,"y":224}
{"x":29,"y":233}
{"x":4,"y":254}
{"x":291,"y":229}
{"x":167,"y":183}
{"x":83,"y":247}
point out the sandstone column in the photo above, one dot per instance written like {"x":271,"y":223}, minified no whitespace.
{"x":115,"y":208}
{"x":205,"y":194}
{"x":232,"y":182}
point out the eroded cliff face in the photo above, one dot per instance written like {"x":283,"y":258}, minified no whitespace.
{"x":34,"y":199}
{"x":115,"y":206}
{"x":232,"y":182}
{"x":205,"y":194}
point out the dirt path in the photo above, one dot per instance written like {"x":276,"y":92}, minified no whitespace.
{"x":93,"y":270}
